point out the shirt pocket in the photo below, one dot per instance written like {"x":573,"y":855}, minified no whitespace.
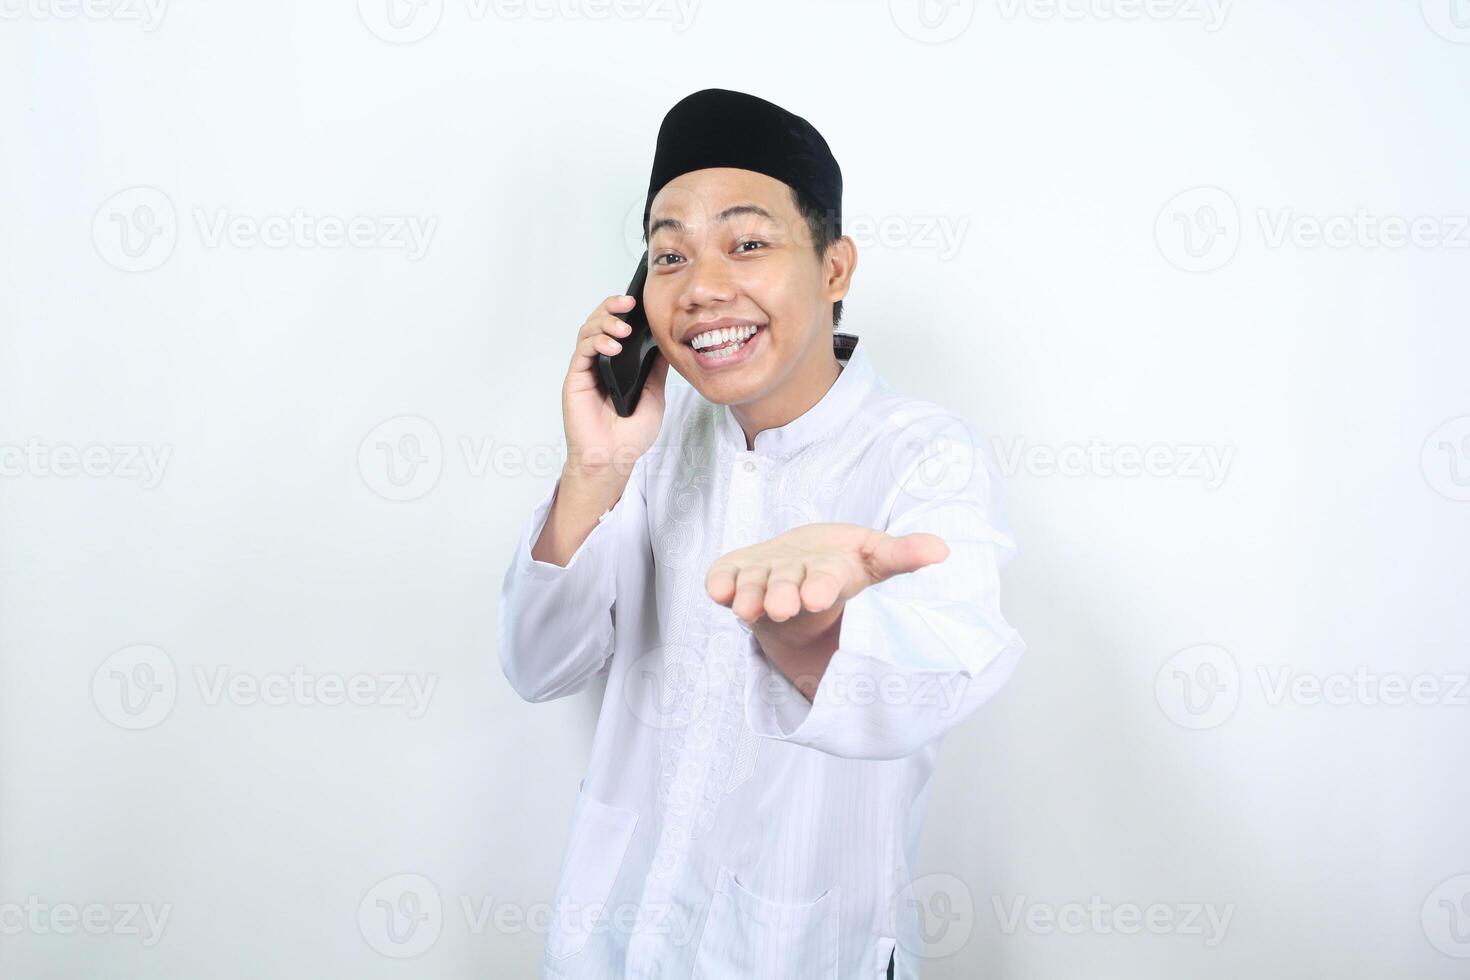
{"x":746,"y":935}
{"x":594,"y":855}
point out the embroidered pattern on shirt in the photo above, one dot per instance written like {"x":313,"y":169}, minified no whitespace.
{"x":706,"y":748}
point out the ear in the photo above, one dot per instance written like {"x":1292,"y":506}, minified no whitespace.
{"x":837,"y":268}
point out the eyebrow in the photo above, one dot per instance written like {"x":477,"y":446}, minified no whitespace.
{"x":675,"y":225}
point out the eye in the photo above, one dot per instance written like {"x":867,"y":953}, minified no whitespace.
{"x":664,"y":255}
{"x":752,"y":241}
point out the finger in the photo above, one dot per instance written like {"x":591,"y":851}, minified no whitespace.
{"x":720,"y":582}
{"x":750,"y":591}
{"x":783,"y":595}
{"x":908,"y":553}
{"x":599,"y":325}
{"x":591,"y":344}
{"x":821,"y":585}
{"x":603,"y":325}
{"x":616,"y":303}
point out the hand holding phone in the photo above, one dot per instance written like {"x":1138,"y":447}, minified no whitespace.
{"x":624,"y":373}
{"x":608,"y":426}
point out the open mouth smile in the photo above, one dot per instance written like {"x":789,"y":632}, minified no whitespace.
{"x":726,"y":345}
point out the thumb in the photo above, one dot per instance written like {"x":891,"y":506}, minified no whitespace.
{"x":909,"y":553}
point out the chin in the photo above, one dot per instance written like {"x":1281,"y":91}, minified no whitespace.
{"x":723,"y":390}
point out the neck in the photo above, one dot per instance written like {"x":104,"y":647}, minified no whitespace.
{"x":803,"y":388}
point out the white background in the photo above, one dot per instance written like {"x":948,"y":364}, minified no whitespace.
{"x":1066,"y":312}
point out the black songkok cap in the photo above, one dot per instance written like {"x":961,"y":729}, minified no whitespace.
{"x":716,"y":127}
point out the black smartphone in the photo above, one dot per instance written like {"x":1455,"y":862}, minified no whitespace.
{"x":623,"y":374}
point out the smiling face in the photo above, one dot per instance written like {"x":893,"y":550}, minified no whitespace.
{"x":728,"y":250}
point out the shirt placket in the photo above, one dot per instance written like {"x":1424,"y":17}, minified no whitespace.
{"x":741,"y":522}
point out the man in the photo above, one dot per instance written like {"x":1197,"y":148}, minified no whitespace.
{"x":788,"y":573}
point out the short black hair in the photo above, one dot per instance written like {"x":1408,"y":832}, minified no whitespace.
{"x":825,"y":229}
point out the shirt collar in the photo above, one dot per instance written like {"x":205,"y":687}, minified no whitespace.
{"x":840,"y":402}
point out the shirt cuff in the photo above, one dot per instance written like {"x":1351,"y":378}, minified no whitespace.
{"x":879,"y":696}
{"x":776,"y":708}
{"x":579,"y":563}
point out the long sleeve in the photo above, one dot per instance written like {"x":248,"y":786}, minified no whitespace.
{"x":917,"y":653}
{"x":555,"y":625}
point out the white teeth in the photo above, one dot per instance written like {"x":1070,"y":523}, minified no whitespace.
{"x":724,"y":352}
{"x":712,"y":338}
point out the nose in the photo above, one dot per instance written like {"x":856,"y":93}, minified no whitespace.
{"x":707,"y":282}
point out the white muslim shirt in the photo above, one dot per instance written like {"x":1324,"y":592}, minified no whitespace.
{"x":726,"y":828}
